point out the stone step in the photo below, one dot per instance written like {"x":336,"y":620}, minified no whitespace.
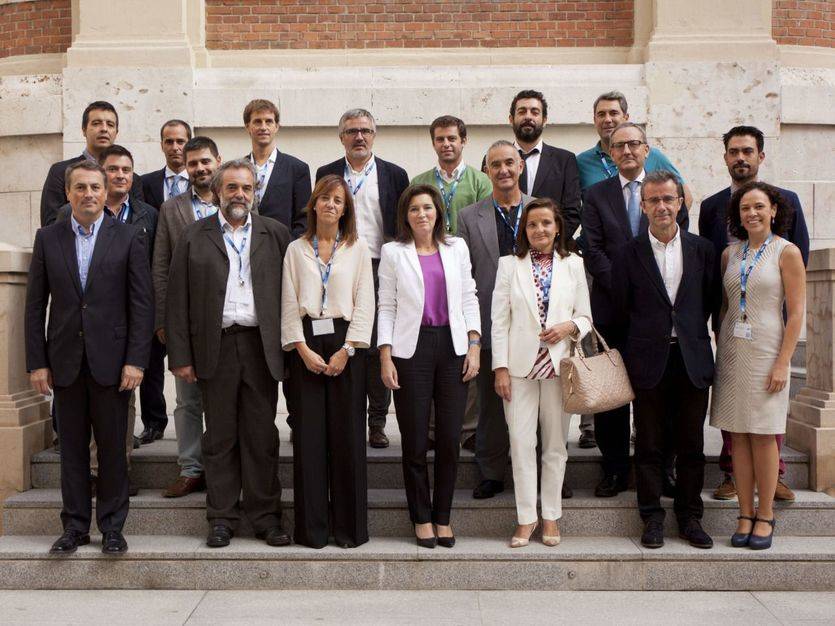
{"x":154,"y":466}
{"x":36,"y":512}
{"x":579,"y":563}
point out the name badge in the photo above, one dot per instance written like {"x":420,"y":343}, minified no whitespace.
{"x":742,"y":330}
{"x":322,"y":327}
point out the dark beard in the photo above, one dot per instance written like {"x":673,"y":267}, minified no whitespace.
{"x":527,"y":134}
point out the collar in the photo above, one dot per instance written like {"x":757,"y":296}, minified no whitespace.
{"x":76,"y":227}
{"x":122,"y":207}
{"x":538,"y":146}
{"x":660,"y":244}
{"x":89,"y":156}
{"x":625,"y":181}
{"x":455,"y":173}
{"x":271,"y":159}
{"x":169,"y":173}
{"x":598,"y":150}
{"x":196,"y":196}
{"x":227,"y":227}
{"x":362,"y":169}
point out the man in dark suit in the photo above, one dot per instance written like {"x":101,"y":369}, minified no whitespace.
{"x":612,"y":218}
{"x":663,"y":282}
{"x":92,"y":273}
{"x":376,"y":185}
{"x":172,"y":180}
{"x":744,"y":153}
{"x":283,"y":180}
{"x":223,"y":311}
{"x":99,"y":125}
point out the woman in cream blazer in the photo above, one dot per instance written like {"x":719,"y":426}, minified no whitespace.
{"x":428,"y":330}
{"x":541,"y":299}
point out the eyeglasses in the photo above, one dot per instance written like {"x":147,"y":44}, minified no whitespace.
{"x":666,"y":200}
{"x":633,"y":145}
{"x":353,"y":132}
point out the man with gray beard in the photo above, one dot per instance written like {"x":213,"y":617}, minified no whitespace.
{"x":222,"y":327}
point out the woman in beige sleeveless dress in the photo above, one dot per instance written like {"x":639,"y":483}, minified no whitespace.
{"x":751,"y":392}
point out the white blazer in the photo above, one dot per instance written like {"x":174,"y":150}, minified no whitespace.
{"x":516,"y":327}
{"x":401,"y":296}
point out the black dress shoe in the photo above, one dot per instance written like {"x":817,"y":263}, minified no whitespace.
{"x":587,"y":439}
{"x":69,"y":542}
{"x":136,"y":442}
{"x":219,"y":536}
{"x":694,"y":534}
{"x":377,"y":438}
{"x":113,"y":542}
{"x":275,"y":536}
{"x":150,"y":435}
{"x":610,"y":486}
{"x":567,"y":492}
{"x":653,"y":536}
{"x":446,"y":542}
{"x":487,"y":489}
{"x":429,"y":542}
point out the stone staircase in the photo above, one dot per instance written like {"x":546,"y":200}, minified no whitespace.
{"x":600,"y":548}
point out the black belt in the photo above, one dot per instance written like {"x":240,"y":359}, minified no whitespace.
{"x":234,"y":329}
{"x":673,"y":340}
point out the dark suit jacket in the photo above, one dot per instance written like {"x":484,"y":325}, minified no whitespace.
{"x":288,"y":191}
{"x":111,"y":321}
{"x":54,"y":196}
{"x":606,"y":228}
{"x":644,"y":306}
{"x":153,"y":188}
{"x":558,"y":178}
{"x":197,"y":287}
{"x":392,"y":180}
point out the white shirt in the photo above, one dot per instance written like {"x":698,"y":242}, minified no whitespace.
{"x":531,"y":164}
{"x":239,"y":301}
{"x":624,"y":182}
{"x":669,"y":259}
{"x":367,"y":206}
{"x":264,"y":171}
{"x":455,"y":173}
{"x":182,"y":183}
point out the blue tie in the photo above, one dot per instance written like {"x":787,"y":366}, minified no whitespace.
{"x":174,"y":189}
{"x":633,"y":207}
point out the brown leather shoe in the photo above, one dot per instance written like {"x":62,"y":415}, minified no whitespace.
{"x":185,"y":485}
{"x":726,"y":489}
{"x":783,"y":493}
{"x":377,"y":438}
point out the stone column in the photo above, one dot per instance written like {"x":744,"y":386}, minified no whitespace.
{"x":811,"y":422}
{"x":24,"y":414}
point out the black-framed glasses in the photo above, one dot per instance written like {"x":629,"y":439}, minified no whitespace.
{"x":634,"y":144}
{"x":353,"y":132}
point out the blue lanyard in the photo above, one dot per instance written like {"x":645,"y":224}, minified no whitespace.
{"x":515,"y":227}
{"x":606,"y":166}
{"x":368,"y":169}
{"x":447,"y":197}
{"x":239,"y":252}
{"x":745,"y":272}
{"x":196,"y":203}
{"x":325,"y":273}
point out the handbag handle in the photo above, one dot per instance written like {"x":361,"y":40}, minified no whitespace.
{"x":576,"y":343}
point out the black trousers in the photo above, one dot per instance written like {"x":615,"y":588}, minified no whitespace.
{"x":671,"y":415}
{"x":151,"y":395}
{"x":492,"y":443}
{"x":329,"y":474}
{"x":240,"y":445}
{"x":432,"y":375}
{"x":84,"y":406}
{"x":379,"y":396}
{"x":611,"y":428}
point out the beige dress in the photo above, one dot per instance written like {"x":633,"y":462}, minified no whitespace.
{"x":740,"y":402}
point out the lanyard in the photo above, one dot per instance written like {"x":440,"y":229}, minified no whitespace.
{"x":606,"y":166}
{"x":368,"y":169}
{"x":325,"y":273}
{"x":515,"y":227}
{"x":196,"y":203}
{"x":744,"y":273}
{"x":447,"y":197}
{"x":239,"y":252}
{"x":124,"y":213}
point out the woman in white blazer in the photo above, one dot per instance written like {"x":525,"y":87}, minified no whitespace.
{"x":428,"y":330}
{"x":541,"y":299}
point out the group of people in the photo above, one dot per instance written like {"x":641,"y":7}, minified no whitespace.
{"x":460,"y":292}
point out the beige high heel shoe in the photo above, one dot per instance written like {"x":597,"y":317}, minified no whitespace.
{"x":551,"y":540}
{"x":521,"y":542}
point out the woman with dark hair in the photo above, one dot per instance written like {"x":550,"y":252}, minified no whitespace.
{"x":327,"y":311}
{"x":428,"y":332}
{"x":760,"y":273}
{"x":540,"y":302}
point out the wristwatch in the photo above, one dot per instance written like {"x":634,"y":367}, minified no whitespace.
{"x":349,"y":349}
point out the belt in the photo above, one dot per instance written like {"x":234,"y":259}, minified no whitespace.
{"x":234,"y":329}
{"x":673,"y":341}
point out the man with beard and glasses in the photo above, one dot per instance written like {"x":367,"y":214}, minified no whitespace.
{"x":202,"y":160}
{"x":222,"y":327}
{"x":744,"y":153}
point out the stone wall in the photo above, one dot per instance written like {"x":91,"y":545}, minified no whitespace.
{"x":38,"y":27}
{"x":804,"y":23}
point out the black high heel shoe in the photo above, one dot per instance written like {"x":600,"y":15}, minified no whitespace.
{"x":762,"y":543}
{"x":445,"y":542}
{"x":740,"y":540}
{"x":429,"y":542}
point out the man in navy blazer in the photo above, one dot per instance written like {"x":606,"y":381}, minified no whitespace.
{"x":172,"y":180}
{"x":744,"y":153}
{"x":663,"y":282}
{"x":376,"y":185}
{"x":612,"y":218}
{"x":283,"y":180}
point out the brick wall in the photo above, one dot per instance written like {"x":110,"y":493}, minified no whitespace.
{"x":302,"y":24}
{"x":35,"y":27}
{"x":804,"y":23}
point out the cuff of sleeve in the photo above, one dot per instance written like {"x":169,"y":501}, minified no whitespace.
{"x":583,"y":325}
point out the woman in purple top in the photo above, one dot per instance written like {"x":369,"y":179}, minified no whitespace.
{"x":428,"y":332}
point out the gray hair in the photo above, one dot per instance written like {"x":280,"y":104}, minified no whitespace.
{"x":236,"y":164}
{"x":611,"y":95}
{"x":353,"y":114}
{"x":501,"y":143}
{"x":629,"y":125}
{"x":659,"y":177}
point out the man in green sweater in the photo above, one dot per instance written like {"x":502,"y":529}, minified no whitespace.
{"x":459,"y":184}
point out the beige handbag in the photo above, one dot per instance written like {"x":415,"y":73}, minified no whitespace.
{"x":596,"y":383}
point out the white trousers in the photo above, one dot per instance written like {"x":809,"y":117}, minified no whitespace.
{"x":532,"y":402}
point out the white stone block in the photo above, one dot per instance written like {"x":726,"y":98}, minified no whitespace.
{"x":15,"y":209}
{"x":25,"y":160}
{"x":30,"y":105}
{"x":806,"y":93}
{"x":824,"y":210}
{"x":805,"y":152}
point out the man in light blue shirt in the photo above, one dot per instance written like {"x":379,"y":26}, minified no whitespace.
{"x":85,"y":243}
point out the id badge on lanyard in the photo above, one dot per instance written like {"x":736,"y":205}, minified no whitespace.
{"x":742,"y":329}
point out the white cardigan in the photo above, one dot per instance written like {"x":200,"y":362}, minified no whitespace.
{"x":401,"y":296}
{"x":516,"y":326}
